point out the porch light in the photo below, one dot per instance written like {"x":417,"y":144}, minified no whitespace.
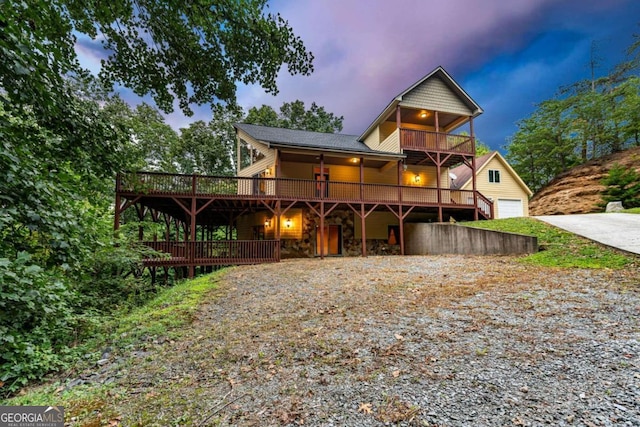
{"x":423,"y":114}
{"x":267,"y":172}
{"x":417,"y":179}
{"x":287,"y":223}
{"x":267,"y":223}
{"x":354,"y":160}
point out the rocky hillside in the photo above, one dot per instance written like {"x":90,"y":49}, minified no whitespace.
{"x":578,"y":190}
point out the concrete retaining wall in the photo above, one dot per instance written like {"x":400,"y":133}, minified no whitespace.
{"x":437,"y":239}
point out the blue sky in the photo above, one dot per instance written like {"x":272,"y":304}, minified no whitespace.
{"x":507,"y":54}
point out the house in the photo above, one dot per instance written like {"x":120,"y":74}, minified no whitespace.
{"x":305,"y":194}
{"x":497,"y":181}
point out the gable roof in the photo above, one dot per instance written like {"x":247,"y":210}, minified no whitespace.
{"x":438,"y":72}
{"x":306,"y":140}
{"x":463,"y":172}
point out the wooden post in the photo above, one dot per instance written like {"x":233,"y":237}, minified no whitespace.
{"x":363,"y":222}
{"x":277,"y":225}
{"x":437,"y":124}
{"x":401,"y":222}
{"x":116,"y":219}
{"x":400,"y":170}
{"x":322,"y":206}
{"x":398,"y":117}
{"x":439,"y":189}
{"x":473,"y":171}
{"x":192,"y":239}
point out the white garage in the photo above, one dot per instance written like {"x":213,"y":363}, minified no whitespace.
{"x":509,"y":208}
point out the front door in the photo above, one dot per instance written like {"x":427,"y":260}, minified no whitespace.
{"x":332,"y":244}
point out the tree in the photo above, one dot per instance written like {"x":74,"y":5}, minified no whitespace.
{"x":542,"y":147}
{"x":192,"y":51}
{"x":265,"y":116}
{"x":294,"y":115}
{"x":152,"y":140}
{"x":623,"y":185}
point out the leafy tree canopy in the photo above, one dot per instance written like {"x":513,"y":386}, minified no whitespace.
{"x":586,"y":120}
{"x":192,"y":51}
{"x":294,"y":115}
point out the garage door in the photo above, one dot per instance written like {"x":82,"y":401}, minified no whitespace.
{"x":509,"y":208}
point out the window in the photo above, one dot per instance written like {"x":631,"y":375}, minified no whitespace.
{"x":494,"y":176}
{"x":248,"y":154}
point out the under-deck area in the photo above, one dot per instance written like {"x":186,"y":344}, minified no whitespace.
{"x":194,"y":210}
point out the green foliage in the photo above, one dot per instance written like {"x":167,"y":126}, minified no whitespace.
{"x":62,"y":141}
{"x":35,"y":319}
{"x":589,"y":119}
{"x":195,"y":52}
{"x":623,"y":185}
{"x":208,"y":149}
{"x":169,"y":311}
{"x":294,"y":115}
{"x":542,"y":148}
{"x":558,"y":248}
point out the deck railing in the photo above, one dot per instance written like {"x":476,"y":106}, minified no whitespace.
{"x":422,"y":140}
{"x":214,"y":252}
{"x":152,"y":183}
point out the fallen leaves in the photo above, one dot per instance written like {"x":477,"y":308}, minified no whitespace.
{"x":366,"y":408}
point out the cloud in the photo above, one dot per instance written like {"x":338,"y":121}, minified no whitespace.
{"x":508,"y":55}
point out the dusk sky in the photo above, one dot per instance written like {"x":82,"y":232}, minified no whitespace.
{"x":507,"y":54}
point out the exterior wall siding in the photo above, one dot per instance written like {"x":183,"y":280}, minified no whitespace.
{"x":508,"y":188}
{"x":373,"y":140}
{"x":259,"y":166}
{"x":391,"y":143}
{"x":434,"y":94}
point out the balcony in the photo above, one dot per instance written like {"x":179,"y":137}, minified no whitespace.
{"x":160,"y":185}
{"x":422,"y":140}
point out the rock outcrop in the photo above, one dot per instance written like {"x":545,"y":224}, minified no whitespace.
{"x":579,"y":189}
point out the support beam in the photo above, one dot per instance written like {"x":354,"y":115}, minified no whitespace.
{"x":116,"y":219}
{"x":473,"y":171}
{"x":363,"y":225}
{"x":387,"y":166}
{"x":192,"y":239}
{"x":438,"y":186}
{"x":322,"y":206}
{"x":401,"y":223}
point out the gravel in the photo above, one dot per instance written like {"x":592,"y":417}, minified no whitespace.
{"x":424,"y":341}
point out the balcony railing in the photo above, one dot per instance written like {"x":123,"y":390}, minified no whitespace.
{"x":214,"y":252}
{"x":160,"y":184}
{"x":422,"y":140}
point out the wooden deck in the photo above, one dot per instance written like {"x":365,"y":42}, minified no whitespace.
{"x":192,"y":206}
{"x":150,"y":184}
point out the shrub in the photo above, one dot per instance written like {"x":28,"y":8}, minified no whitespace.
{"x":623,"y":184}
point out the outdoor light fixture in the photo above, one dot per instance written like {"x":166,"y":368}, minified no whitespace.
{"x":287,"y":223}
{"x":404,"y":167}
{"x":417,"y":179}
{"x":267,"y":171}
{"x":354,"y":160}
{"x":267,"y":222}
{"x":423,"y":114}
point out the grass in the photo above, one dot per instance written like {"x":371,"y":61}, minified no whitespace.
{"x":164,"y":316}
{"x":559,"y":248}
{"x":632,"y":210}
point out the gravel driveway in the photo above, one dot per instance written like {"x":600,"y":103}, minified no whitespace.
{"x":423,"y":340}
